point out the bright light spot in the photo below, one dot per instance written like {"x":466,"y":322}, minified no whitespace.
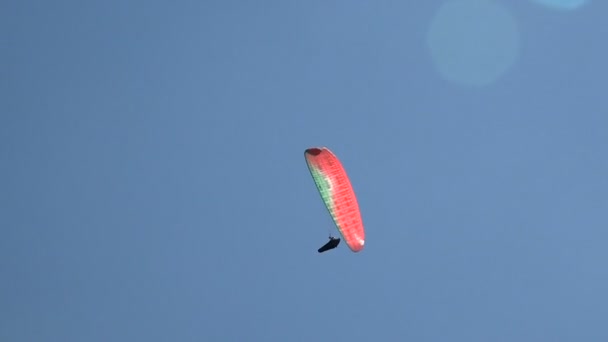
{"x":562,"y":4}
{"x":473,"y":42}
{"x":359,"y":240}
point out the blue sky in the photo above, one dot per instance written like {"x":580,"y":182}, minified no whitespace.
{"x":154,"y":183}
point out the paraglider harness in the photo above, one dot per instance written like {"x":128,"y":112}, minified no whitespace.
{"x":331,"y":244}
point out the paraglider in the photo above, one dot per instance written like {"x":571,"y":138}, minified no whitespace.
{"x":338,"y":196}
{"x":331,"y":244}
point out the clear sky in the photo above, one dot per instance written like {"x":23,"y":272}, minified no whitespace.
{"x":154,"y":188}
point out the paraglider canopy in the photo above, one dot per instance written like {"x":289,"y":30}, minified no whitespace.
{"x":338,"y":195}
